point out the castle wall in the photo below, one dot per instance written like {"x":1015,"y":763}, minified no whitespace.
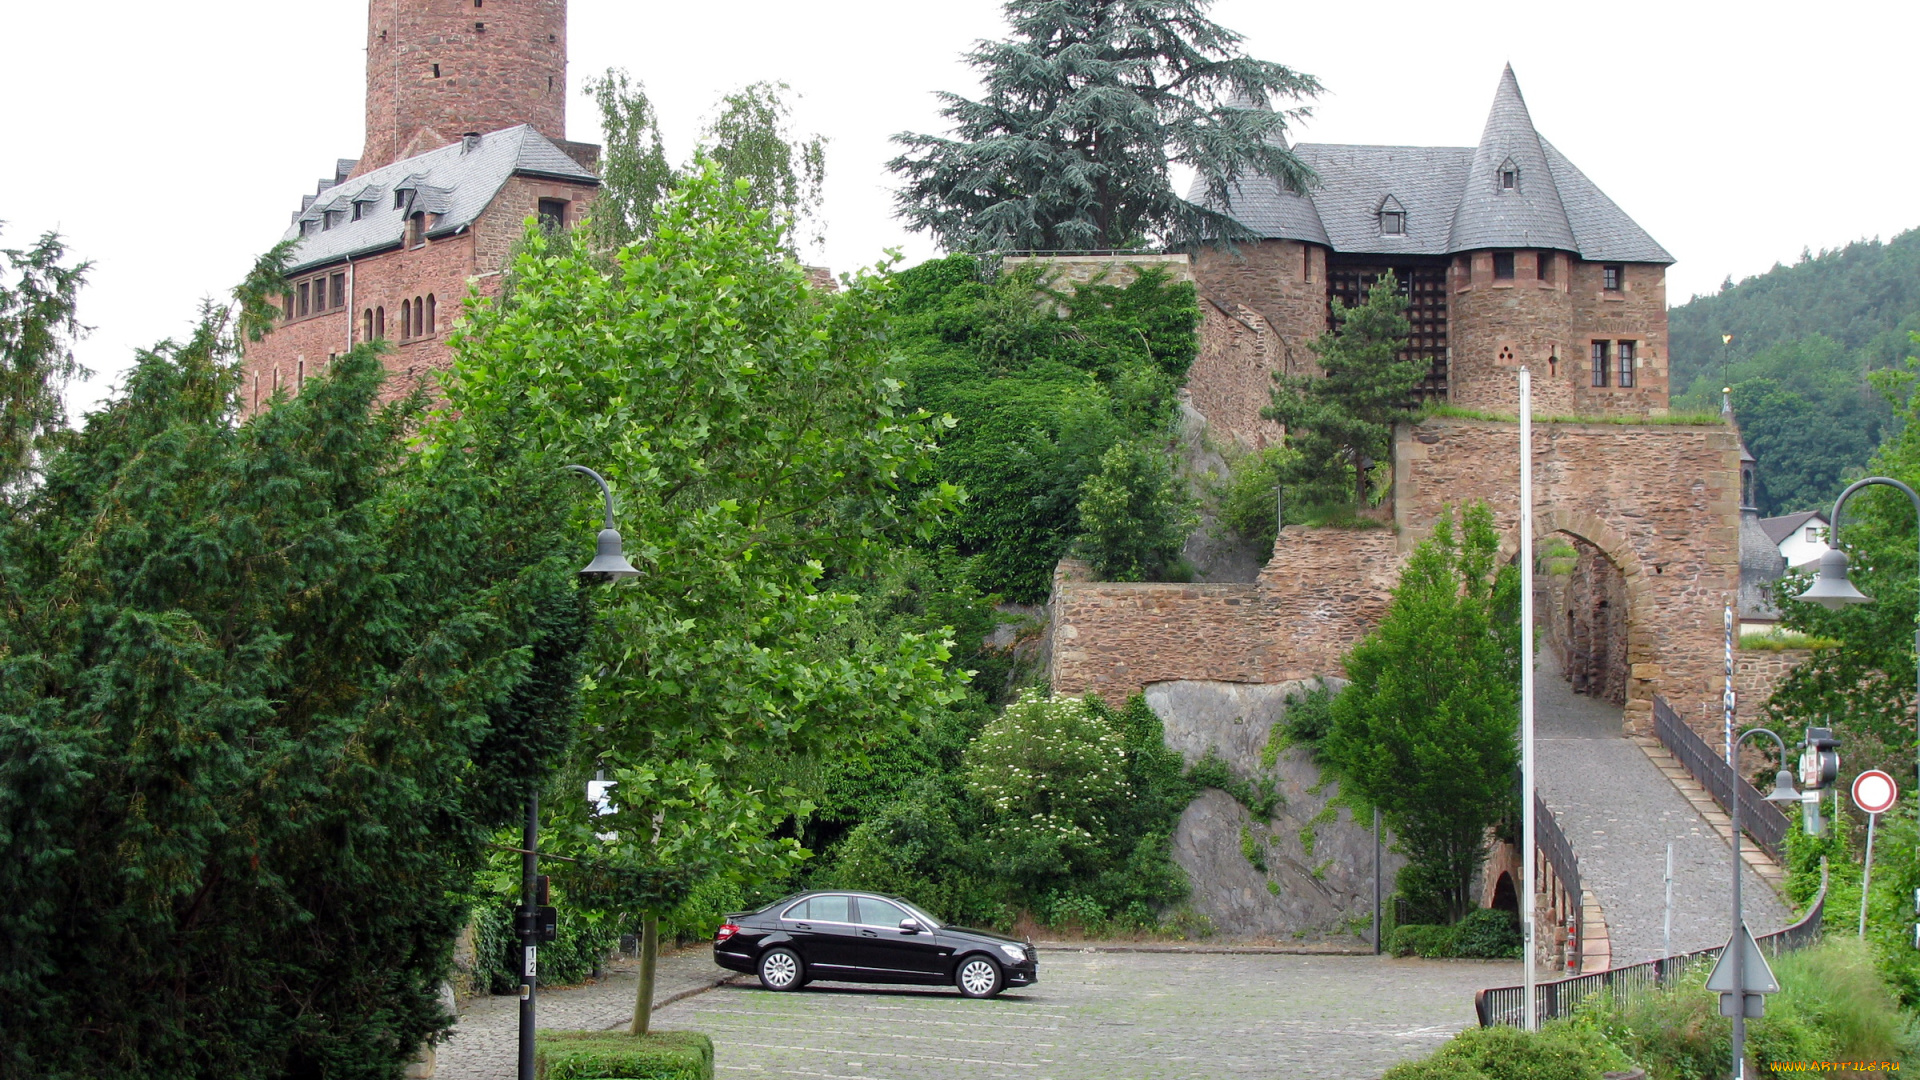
{"x":1495,"y":326}
{"x":441,"y":269}
{"x":1660,"y":501}
{"x":1321,"y":592}
{"x":1231,"y":379}
{"x":1637,"y":311}
{"x":1285,"y":281}
{"x":498,"y":66}
{"x":1107,"y":269}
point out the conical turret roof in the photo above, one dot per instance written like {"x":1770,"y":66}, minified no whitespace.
{"x":1511,"y":199}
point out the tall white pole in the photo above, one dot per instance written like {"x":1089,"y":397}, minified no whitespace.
{"x":1726,"y":695}
{"x":1528,"y":871}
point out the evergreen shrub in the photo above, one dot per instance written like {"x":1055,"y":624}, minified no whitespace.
{"x":1431,"y":942}
{"x":608,"y":1055}
{"x":1488,"y":934}
{"x":1558,"y":1051}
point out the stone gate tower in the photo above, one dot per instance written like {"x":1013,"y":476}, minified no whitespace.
{"x":438,"y":69}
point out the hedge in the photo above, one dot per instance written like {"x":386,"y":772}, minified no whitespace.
{"x":612,"y":1055}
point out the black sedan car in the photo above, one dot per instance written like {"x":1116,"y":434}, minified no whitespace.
{"x":864,"y":937}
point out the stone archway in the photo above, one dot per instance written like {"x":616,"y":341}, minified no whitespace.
{"x":1595,"y":617}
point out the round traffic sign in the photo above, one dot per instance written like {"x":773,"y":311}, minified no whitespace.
{"x":1875,"y":792}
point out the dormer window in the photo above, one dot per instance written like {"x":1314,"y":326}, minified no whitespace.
{"x":1509,"y":176}
{"x":1393,"y":217}
{"x":416,"y":230}
{"x":359,"y":210}
{"x":399,"y":199}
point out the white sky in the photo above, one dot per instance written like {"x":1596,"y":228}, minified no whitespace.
{"x":170,"y":142}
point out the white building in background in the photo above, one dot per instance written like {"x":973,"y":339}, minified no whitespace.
{"x":1801,"y":537}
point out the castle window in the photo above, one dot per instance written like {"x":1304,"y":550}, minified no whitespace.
{"x":1627,"y":351}
{"x":305,"y":298}
{"x":553,"y":214}
{"x":419,"y":320}
{"x":399,"y":199}
{"x":436,"y":71}
{"x":1600,"y":363}
{"x":416,"y":230}
{"x":479,"y":28}
{"x":288,"y":297}
{"x":366,"y":325}
{"x":406,"y":321}
{"x":1393,"y":224}
{"x":1543,"y":266}
{"x":433,"y":316}
{"x":339,"y":291}
{"x":1509,"y":178}
{"x":1503,"y":266}
{"x":379,"y":322}
{"x":1611,"y":277}
{"x":358,"y":211}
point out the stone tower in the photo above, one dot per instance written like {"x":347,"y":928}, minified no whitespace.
{"x":438,"y":69}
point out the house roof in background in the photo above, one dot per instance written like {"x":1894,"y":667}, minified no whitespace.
{"x":456,"y":182}
{"x":1779,"y":528}
{"x":1453,"y":196}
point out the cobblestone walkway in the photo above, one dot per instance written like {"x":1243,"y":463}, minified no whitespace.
{"x":484,"y":1045}
{"x":1618,"y":812}
{"x":1094,"y":1016}
{"x":1107,"y":1016}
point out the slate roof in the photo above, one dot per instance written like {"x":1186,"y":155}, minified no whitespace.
{"x":457,"y":183}
{"x":1452,"y":195}
{"x":1779,"y":528}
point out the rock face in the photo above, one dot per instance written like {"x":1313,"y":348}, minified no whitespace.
{"x":1317,"y":893}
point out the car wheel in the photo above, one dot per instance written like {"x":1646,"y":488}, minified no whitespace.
{"x":781,"y":969}
{"x":979,"y":977}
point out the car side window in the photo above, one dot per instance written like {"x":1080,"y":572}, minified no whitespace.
{"x":797,"y":911}
{"x":881,"y":913}
{"x":828,"y":909}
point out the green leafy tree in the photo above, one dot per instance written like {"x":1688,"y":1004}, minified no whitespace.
{"x":1341,"y":422}
{"x":1250,"y":499}
{"x":750,"y":138}
{"x":1039,"y":391}
{"x":755,"y":431}
{"x":1804,"y":447}
{"x":1426,"y":730}
{"x":1135,"y":514}
{"x":1865,"y":684}
{"x":753,"y":139}
{"x":265,"y":689}
{"x":1086,"y":106}
{"x":38,"y":325}
{"x":634,"y":174}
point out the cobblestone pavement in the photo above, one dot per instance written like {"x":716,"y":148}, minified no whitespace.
{"x":484,"y":1045}
{"x":1618,"y":812}
{"x":1106,"y":1016}
{"x":1094,"y":1016}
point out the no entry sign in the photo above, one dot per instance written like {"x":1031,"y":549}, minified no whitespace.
{"x":1874,"y":792}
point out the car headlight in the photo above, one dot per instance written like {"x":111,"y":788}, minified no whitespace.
{"x":1014,"y":953}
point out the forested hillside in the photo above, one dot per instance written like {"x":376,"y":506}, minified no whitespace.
{"x":1804,"y":339}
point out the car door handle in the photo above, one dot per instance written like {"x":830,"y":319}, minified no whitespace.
{"x":803,"y":926}
{"x":868,"y":933}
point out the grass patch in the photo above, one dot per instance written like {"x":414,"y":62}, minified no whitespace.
{"x":1681,"y":419}
{"x":1783,"y":640}
{"x":601,"y":1055}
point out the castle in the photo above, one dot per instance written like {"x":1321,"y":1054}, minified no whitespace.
{"x":466,"y":124}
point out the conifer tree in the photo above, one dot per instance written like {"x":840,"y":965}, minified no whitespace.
{"x":1340,"y":422}
{"x":1087,"y":105}
{"x":38,"y":324}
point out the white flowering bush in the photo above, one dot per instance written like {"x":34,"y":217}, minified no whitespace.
{"x":1051,"y":772}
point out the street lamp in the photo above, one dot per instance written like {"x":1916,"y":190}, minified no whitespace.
{"x":1783,"y":792}
{"x":609,"y":564}
{"x":1831,"y":589}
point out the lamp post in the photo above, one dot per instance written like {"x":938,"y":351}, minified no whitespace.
{"x":1831,"y":589}
{"x":609,"y":564}
{"x":1737,"y":943}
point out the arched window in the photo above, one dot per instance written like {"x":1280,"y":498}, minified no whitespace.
{"x":379,"y":323}
{"x":419,"y":317}
{"x":433,"y":316}
{"x":366,"y":325}
{"x":406,"y":321}
{"x":1509,"y":176}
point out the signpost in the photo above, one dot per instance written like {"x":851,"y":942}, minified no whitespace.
{"x":1741,"y":993}
{"x":1874,"y":792}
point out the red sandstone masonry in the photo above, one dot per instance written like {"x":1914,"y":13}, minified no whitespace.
{"x":514,"y":71}
{"x":1662,"y":501}
{"x":1321,"y":592}
{"x":1285,"y":281}
{"x":1232,"y":376}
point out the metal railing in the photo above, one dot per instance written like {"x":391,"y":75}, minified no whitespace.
{"x":1553,"y":1000}
{"x":1760,"y":819}
{"x":1566,"y":868}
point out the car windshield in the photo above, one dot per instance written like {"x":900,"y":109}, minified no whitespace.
{"x":920,"y":913}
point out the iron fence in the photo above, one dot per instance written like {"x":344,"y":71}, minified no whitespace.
{"x":1552,"y":1000}
{"x":1566,"y":868}
{"x":1759,"y":818}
